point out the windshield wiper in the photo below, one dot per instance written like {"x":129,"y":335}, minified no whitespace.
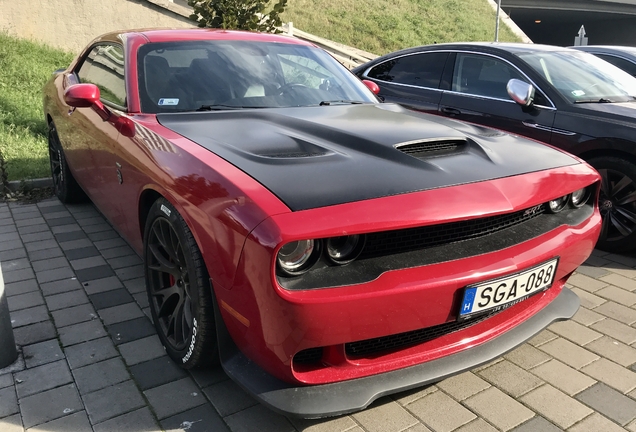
{"x":221,"y":107}
{"x":601,"y":100}
{"x":340,"y":102}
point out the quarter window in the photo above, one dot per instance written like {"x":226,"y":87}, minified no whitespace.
{"x":483,"y":76}
{"x":104,"y":67}
{"x":423,"y":70}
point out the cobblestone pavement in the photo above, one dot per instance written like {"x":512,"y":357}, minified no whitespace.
{"x":90,"y":358}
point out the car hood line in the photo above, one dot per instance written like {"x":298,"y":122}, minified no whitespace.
{"x":331,"y":155}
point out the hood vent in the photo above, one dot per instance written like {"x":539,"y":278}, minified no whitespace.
{"x":292,"y":155}
{"x":433,"y":148}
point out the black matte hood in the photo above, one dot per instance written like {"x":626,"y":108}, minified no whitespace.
{"x":319,"y":156}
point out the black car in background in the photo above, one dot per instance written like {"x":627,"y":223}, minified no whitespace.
{"x":620,"y":56}
{"x":567,"y":98}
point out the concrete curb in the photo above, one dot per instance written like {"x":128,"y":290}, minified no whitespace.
{"x":30,"y":183}
{"x":506,"y":20}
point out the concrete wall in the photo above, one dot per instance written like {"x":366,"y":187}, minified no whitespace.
{"x":71,"y":24}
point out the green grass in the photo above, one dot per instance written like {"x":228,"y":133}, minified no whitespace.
{"x":24,"y":68}
{"x":382,"y":26}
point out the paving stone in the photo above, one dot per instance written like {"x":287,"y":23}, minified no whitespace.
{"x":628,"y":272}
{"x":56,"y":215}
{"x":8,"y":402}
{"x":97,"y":228}
{"x":76,"y":244}
{"x":409,"y":396}
{"x":41,"y":378}
{"x":85,"y":252}
{"x":128,"y":273}
{"x":596,"y":422}
{"x":575,"y":332}
{"x":527,"y":356}
{"x":34,"y":333}
{"x":156,"y":372}
{"x":111,"y":298}
{"x":70,"y":236}
{"x":93,"y":273}
{"x":228,"y":398}
{"x":556,"y":406}
{"x":463,"y":385}
{"x":619,"y":295}
{"x":21,"y":287}
{"x":10,"y":245}
{"x":200,"y":419}
{"x":175,"y":397}
{"x":84,"y":222}
{"x":618,"y":312}
{"x":117,"y":252}
{"x":61,"y":221}
{"x":587,"y":283}
{"x":49,"y":405}
{"x":106,"y":234}
{"x":12,"y":423}
{"x":81,"y":332}
{"x":623,"y":259}
{"x":592,"y":271}
{"x":112,"y":401}
{"x":12,"y":254}
{"x":632,"y":426}
{"x":66,"y":300}
{"x":208,"y":376}
{"x":563,"y":377}
{"x":537,"y":424}
{"x":76,"y":422}
{"x":440,"y":412}
{"x":41,"y":245}
{"x":100,"y":375}
{"x":135,"y":286}
{"x":42,"y":353}
{"x":29,"y":316}
{"x":385,"y":415}
{"x":128,"y":331}
{"x":569,"y":353}
{"x":588,"y":300}
{"x":19,"y":222}
{"x":477,"y":425}
{"x":25,"y":301}
{"x":611,"y":374}
{"x":142,"y":350}
{"x":51,"y":206}
{"x":142,"y":300}
{"x":74,"y":315}
{"x":6,"y":380}
{"x":102,"y":285}
{"x":65,"y":228}
{"x":620,"y":281}
{"x":49,"y":264}
{"x":44,"y":254}
{"x":18,"y":275}
{"x":121,"y":313}
{"x":32,"y":229}
{"x":55,"y":275}
{"x":90,"y":352}
{"x":616,"y":351}
{"x":510,"y":378}
{"x":109,"y":244}
{"x":16,"y":264}
{"x":259,"y":418}
{"x":84,"y":263}
{"x":125,"y":261}
{"x":61,"y":286}
{"x":610,"y":403}
{"x":498,"y":408}
{"x":616,"y":330}
{"x":141,"y":420}
{"x":38,"y":236}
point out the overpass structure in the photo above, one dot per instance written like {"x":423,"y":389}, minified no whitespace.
{"x":557,"y":22}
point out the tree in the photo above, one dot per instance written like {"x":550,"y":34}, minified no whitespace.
{"x":238,"y":14}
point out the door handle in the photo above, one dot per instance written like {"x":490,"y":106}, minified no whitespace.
{"x":450,"y":111}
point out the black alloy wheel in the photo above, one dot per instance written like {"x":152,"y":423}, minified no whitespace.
{"x":179,"y":290}
{"x":617,"y":204}
{"x":64,"y":185}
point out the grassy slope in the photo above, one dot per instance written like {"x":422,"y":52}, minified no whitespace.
{"x":25,"y":67}
{"x":382,"y":26}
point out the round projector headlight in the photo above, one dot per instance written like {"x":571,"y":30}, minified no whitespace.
{"x":556,"y":205}
{"x":297,"y":257}
{"x":344,"y":249}
{"x":580,"y":197}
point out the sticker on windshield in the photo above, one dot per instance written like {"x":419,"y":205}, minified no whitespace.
{"x":168,"y":101}
{"x":576,"y":93}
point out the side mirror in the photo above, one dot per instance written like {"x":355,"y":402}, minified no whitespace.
{"x":520,"y":92}
{"x":372,"y":86}
{"x":86,"y":96}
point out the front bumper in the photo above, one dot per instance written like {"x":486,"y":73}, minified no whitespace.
{"x":342,"y":397}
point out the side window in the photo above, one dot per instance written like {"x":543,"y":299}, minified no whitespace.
{"x":423,"y":70}
{"x":104,"y":67}
{"x":627,"y":66}
{"x":483,"y":76}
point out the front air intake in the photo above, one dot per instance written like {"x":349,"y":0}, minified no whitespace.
{"x":433,"y":148}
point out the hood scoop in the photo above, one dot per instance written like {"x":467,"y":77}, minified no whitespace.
{"x":433,"y":148}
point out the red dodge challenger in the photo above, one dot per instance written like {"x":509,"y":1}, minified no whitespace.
{"x":326,"y":249}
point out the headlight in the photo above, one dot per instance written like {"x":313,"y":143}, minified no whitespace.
{"x":342,"y":250}
{"x":556,"y":205}
{"x":297,"y":257}
{"x":580,"y":197}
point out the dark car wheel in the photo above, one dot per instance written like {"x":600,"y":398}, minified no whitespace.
{"x":617,"y":202}
{"x":179,"y":289}
{"x":64,"y":184}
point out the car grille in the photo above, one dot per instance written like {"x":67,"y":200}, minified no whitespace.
{"x":425,"y":150}
{"x":398,"y":241}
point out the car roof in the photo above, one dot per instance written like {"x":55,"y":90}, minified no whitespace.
{"x":609,"y":49}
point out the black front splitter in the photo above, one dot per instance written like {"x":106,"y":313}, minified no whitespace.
{"x":353,"y":395}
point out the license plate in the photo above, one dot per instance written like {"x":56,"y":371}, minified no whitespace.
{"x":501,"y":293}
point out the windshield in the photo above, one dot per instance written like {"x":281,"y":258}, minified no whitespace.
{"x":581,"y":77}
{"x":221,"y":75}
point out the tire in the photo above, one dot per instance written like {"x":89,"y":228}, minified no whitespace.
{"x":64,"y":185}
{"x":179,"y":289}
{"x":617,"y":202}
